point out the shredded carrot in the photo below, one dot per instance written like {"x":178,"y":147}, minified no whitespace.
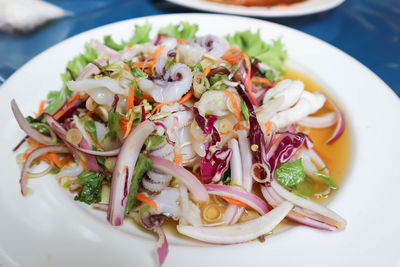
{"x":157,"y":108}
{"x":155,"y":53}
{"x":130,"y":47}
{"x":59,"y":181}
{"x":249,"y":85}
{"x":83,"y":163}
{"x":129,"y":125}
{"x":131,"y":98}
{"x":79,"y":190}
{"x":26,"y":155}
{"x":181,"y":40}
{"x":268,"y":128}
{"x":235,"y":202}
{"x":41,"y":107}
{"x":235,"y":106}
{"x":54,"y":158}
{"x":233,"y":55}
{"x":178,"y":157}
{"x":186,"y":97}
{"x":70,"y":101}
{"x":122,"y":124}
{"x":180,"y":101}
{"x":33,"y":143}
{"x":89,"y":113}
{"x":296,"y":214}
{"x":298,"y":153}
{"x":147,"y":200}
{"x":207,"y":70}
{"x":127,"y":68}
{"x":275,"y":140}
{"x":262,"y":80}
{"x":66,"y":159}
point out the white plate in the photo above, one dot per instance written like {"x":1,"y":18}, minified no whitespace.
{"x":48,"y":228}
{"x":299,"y":9}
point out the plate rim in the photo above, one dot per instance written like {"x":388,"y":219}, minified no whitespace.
{"x":205,"y":15}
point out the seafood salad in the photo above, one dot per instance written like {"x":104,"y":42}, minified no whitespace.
{"x":204,"y":131}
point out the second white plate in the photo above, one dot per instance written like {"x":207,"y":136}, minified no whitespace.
{"x":303,"y":8}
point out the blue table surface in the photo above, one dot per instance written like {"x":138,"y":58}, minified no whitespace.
{"x":368,"y":30}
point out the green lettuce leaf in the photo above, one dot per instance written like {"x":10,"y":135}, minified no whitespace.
{"x":143,"y":164}
{"x":272,"y":55}
{"x":91,"y":190}
{"x":74,"y":69}
{"x":140,"y":36}
{"x":183,"y":30}
{"x":290,"y":173}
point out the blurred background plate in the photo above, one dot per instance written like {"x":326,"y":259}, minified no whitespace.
{"x":303,"y":8}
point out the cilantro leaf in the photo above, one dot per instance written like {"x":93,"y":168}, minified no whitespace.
{"x":183,"y":30}
{"x":290,"y":173}
{"x":91,"y":190}
{"x":143,"y":164}
{"x":154,"y":140}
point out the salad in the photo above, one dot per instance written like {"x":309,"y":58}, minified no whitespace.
{"x":205,"y":131}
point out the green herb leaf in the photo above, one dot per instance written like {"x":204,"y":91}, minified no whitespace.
{"x":326,"y":178}
{"x":91,"y":190}
{"x":113,"y":125}
{"x":244,"y":110}
{"x":154,"y":140}
{"x":183,"y":30}
{"x":305,"y":188}
{"x":290,"y":173}
{"x":139,"y":73}
{"x":169,"y":63}
{"x":143,"y":164}
{"x":89,"y":126}
{"x":227,"y":177}
{"x":196,"y":68}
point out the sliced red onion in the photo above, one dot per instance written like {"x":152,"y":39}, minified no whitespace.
{"x":323,"y":121}
{"x":60,"y":131}
{"x":184,"y":176}
{"x":158,"y":39}
{"x":123,"y":170}
{"x":20,"y":143}
{"x":340,"y":122}
{"x":275,"y":200}
{"x":312,"y":208}
{"x":247,"y":159}
{"x":239,"y":194}
{"x":162,"y":246}
{"x":28,"y":129}
{"x":37,"y":153}
{"x":241,"y":232}
{"x":233,"y":212}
